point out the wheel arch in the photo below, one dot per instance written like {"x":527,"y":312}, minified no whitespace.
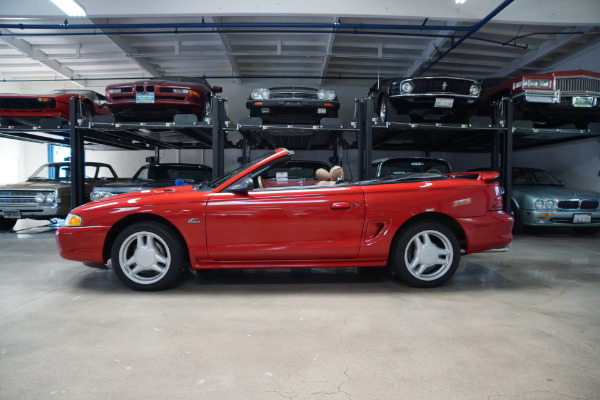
{"x":131,"y":219}
{"x":443,"y":219}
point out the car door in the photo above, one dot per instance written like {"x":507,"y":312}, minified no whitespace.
{"x":292,"y":224}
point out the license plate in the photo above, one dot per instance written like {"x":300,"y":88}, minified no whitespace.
{"x":12,"y":214}
{"x":443,"y":102}
{"x":583,"y":101}
{"x":144,"y":97}
{"x":582,"y":218}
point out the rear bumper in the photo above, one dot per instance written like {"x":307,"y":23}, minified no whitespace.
{"x":83,"y":244}
{"x":488,"y":232}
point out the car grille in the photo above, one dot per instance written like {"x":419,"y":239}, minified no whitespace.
{"x":442,"y":85}
{"x":20,"y":196}
{"x":293,"y":95}
{"x":144,"y":88}
{"x":26,"y":103}
{"x":578,"y":205}
{"x":579,"y":84}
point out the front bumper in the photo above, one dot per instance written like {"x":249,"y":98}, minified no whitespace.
{"x":538,"y":218}
{"x":82,"y":243}
{"x":293,"y":110}
{"x":35,"y":211}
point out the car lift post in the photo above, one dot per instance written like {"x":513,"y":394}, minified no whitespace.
{"x":365,"y":137}
{"x":218,"y":139}
{"x":77,"y":155}
{"x":507,"y":156}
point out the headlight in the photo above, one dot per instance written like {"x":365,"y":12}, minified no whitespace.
{"x":260,"y":94}
{"x":407,"y":87}
{"x":537,"y":83}
{"x":326,"y":94}
{"x":73,"y":220}
{"x":539,"y":204}
{"x":115,"y":90}
{"x":100,"y":195}
{"x":39,"y":197}
{"x":184,"y":91}
{"x":50,"y":198}
{"x":549,"y":204}
{"x":474,"y":90}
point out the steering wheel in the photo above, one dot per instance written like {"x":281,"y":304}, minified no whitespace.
{"x":261,"y":184}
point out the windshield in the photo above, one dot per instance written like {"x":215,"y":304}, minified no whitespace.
{"x":403,"y":166}
{"x":52,"y":172}
{"x":219,"y":181}
{"x":534,"y":177}
{"x":188,"y":173}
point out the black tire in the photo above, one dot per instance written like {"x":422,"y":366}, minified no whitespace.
{"x":426,"y":254}
{"x":156,"y":254}
{"x":518,"y":226}
{"x":7,"y":224}
{"x":387,"y":112}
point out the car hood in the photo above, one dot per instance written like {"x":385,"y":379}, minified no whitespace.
{"x":134,"y":184}
{"x":33,"y":185}
{"x":557,"y":192}
{"x":148,"y":196}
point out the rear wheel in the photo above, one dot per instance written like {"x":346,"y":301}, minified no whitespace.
{"x":426,"y":254}
{"x":148,"y":256}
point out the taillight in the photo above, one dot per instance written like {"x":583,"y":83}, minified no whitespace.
{"x":498,"y":204}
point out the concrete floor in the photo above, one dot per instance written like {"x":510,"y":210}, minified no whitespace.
{"x":519,"y":325}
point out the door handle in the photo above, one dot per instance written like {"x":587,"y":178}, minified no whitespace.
{"x":341,"y":205}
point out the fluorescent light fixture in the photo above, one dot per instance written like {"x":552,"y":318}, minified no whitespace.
{"x":70,"y":8}
{"x":456,"y":1}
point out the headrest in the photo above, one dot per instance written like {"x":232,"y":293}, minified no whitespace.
{"x":336,"y":172}
{"x":322,"y":174}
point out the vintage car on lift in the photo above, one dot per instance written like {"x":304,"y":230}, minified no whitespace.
{"x":27,"y":109}
{"x":160,"y":99}
{"x":409,"y":165}
{"x":541,"y":200}
{"x":154,"y":176}
{"x":47,"y":193}
{"x":551,"y":100}
{"x":293,"y":105}
{"x":418,"y":223}
{"x":426,"y":99}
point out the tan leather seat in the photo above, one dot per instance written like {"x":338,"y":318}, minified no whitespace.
{"x":331,"y":177}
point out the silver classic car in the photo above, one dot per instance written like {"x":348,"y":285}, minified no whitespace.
{"x":540,"y":200}
{"x":47,"y":193}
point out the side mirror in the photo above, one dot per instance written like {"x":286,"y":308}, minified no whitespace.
{"x":242,"y":186}
{"x":217,"y":89}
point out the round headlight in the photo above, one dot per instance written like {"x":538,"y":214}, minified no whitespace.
{"x":95,"y":195}
{"x":474,"y":90}
{"x":326,"y":94}
{"x":538,"y":204}
{"x":50,"y":198}
{"x":39,"y":197}
{"x":549,"y":204}
{"x":407,"y":87}
{"x":260,"y":94}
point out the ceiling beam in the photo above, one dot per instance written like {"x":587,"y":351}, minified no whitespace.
{"x":25,"y":48}
{"x":543,"y":50}
{"x":430,"y":51}
{"x":235,"y":68}
{"x":328,"y":54}
{"x":128,"y":49}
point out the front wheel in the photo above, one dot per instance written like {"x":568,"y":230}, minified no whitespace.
{"x":426,"y":255}
{"x":148,"y":256}
{"x":7,"y":224}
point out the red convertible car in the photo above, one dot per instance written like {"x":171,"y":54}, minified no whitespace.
{"x":26,"y":109}
{"x":417,"y":223}
{"x":159,"y":99}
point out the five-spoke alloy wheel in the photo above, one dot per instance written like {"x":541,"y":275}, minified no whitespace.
{"x":426,"y":254}
{"x":148,"y":256}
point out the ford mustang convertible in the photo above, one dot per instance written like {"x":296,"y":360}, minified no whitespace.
{"x":418,"y":224}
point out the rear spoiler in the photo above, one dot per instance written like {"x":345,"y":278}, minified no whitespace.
{"x":486,"y":176}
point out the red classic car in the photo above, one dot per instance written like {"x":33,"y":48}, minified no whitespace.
{"x":551,"y":100}
{"x":418,"y":224}
{"x":27,"y":109}
{"x":159,"y":99}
